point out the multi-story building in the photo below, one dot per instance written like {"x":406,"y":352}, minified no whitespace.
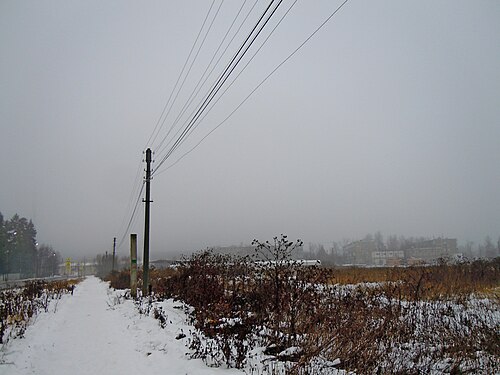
{"x":360,"y":252}
{"x":365,"y":252}
{"x":431,"y":250}
{"x":387,"y":258}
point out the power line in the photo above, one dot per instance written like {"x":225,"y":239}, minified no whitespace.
{"x":242,"y":70}
{"x":163,"y":116}
{"x":223,"y":78}
{"x":177,"y":82}
{"x":218,"y":86}
{"x":189,"y":71}
{"x":136,"y":184}
{"x":133,"y":192}
{"x":204,"y":77}
{"x":258,"y":86}
{"x":157,"y":127}
{"x":122,"y":239}
{"x":215,"y":89}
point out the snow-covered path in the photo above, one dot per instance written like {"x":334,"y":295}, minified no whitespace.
{"x":90,"y":335}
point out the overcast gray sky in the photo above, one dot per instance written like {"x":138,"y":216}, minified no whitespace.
{"x":388,"y":119}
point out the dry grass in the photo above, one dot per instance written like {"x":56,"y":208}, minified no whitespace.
{"x":157,"y":278}
{"x":441,"y":281}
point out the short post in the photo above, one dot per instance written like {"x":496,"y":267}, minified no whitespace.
{"x":133,"y":265}
{"x":114,"y":252}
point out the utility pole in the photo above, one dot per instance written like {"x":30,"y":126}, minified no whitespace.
{"x":114,"y":252}
{"x":145,"y":260}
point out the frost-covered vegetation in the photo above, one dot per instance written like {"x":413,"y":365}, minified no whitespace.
{"x":19,"y":305}
{"x":279,"y":317}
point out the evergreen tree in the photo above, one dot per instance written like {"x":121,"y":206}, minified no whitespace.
{"x":20,"y":246}
{"x":19,"y":253}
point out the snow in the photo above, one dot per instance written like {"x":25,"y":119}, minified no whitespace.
{"x":97,"y":332}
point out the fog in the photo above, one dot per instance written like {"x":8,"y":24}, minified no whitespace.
{"x":386,"y":120}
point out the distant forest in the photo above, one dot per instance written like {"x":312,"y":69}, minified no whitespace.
{"x":20,"y":254}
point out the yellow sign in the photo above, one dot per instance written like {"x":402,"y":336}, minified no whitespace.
{"x":68,"y":266}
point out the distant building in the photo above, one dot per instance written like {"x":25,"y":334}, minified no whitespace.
{"x":431,"y":250}
{"x":365,"y":252}
{"x":360,"y":252}
{"x":388,"y":258}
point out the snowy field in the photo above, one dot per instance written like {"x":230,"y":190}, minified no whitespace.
{"x":99,"y":331}
{"x":96,"y":332}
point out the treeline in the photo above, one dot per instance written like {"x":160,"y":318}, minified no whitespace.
{"x":20,"y":253}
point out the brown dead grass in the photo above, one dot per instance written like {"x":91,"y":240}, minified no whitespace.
{"x":428,"y":282}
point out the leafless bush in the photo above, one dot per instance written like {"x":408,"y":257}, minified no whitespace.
{"x":439,"y":319}
{"x":18,"y":306}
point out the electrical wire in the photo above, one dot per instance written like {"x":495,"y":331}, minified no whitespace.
{"x":258,"y":86}
{"x":122,"y":239}
{"x":157,"y":128}
{"x":204,"y":77}
{"x":240,"y":72}
{"x":189,"y":71}
{"x":211,"y":71}
{"x":223,"y":78}
{"x":177,"y":82}
{"x":200,"y":113}
{"x":135,"y":186}
{"x":220,"y":77}
{"x":217,"y":87}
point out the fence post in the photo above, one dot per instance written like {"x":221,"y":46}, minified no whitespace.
{"x":133,"y":265}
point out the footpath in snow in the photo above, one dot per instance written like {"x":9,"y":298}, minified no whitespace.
{"x":90,"y":333}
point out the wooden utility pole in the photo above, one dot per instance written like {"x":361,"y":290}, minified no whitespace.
{"x":114,"y":252}
{"x":133,"y":265}
{"x":147,"y":201}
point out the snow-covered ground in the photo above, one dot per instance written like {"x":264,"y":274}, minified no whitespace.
{"x":96,"y":332}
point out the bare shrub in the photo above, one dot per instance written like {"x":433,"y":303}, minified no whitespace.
{"x":18,"y":306}
{"x":436,"y":319}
